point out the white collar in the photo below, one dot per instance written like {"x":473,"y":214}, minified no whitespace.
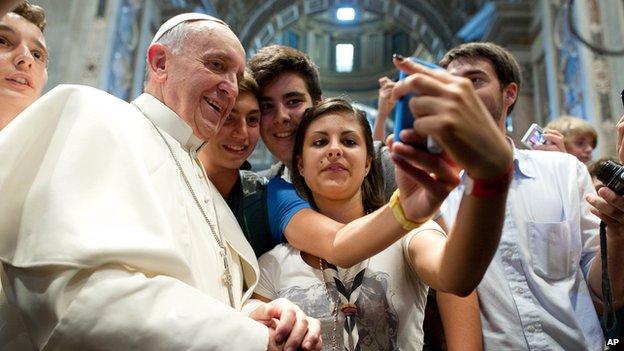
{"x":520,"y":161}
{"x":168,"y":121}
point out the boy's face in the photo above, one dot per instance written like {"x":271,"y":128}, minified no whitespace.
{"x":282,"y":105}
{"x":581,"y":146}
{"x":237,"y":138}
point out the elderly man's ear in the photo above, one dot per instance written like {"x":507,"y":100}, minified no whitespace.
{"x":157,"y":61}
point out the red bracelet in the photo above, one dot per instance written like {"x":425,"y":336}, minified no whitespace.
{"x":489,"y":187}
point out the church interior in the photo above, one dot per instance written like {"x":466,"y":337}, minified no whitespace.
{"x":570,"y":51}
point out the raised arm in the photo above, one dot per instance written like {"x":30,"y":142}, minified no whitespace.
{"x":346,"y":245}
{"x":319,"y":235}
{"x":385,"y":105}
{"x":449,"y":110}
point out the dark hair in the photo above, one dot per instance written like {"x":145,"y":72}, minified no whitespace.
{"x":594,"y":166}
{"x":32,"y":13}
{"x":372,"y":186}
{"x":248,"y":85}
{"x":271,"y":61}
{"x":505,"y":65}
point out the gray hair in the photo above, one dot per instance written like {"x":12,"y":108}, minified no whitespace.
{"x":174,"y":39}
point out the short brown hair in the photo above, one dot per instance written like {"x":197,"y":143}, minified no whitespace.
{"x":248,"y":85}
{"x":505,"y":65}
{"x":32,"y":13}
{"x":271,"y":61}
{"x":372,"y":186}
{"x":572,"y":127}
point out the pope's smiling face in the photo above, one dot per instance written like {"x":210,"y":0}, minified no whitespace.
{"x":201,"y":80}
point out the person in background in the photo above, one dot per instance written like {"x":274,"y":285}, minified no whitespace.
{"x":579,"y":137}
{"x":23,"y":59}
{"x":384,"y":105}
{"x":539,"y":290}
{"x":609,"y":206}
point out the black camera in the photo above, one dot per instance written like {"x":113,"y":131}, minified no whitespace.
{"x":611,"y":175}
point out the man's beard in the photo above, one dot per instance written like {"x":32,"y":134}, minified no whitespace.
{"x":496,"y":108}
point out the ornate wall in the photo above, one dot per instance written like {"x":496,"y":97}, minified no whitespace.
{"x":579,"y":81}
{"x":102,"y":43}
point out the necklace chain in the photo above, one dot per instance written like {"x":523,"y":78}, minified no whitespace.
{"x":227,"y":276}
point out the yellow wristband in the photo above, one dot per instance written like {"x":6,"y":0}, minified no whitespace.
{"x":399,"y":214}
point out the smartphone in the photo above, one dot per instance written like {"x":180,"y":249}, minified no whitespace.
{"x":403,"y":118}
{"x":533,"y":136}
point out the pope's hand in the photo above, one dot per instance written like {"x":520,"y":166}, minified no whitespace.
{"x":289,"y":327}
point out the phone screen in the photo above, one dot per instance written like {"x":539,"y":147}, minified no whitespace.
{"x":536,"y":138}
{"x":533,"y":136}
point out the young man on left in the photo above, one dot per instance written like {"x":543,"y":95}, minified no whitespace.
{"x":23,"y":60}
{"x":23,"y":74}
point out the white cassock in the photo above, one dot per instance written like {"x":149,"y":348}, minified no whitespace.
{"x":101,"y":241}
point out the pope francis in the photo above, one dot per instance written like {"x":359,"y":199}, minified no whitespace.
{"x":111,"y":236}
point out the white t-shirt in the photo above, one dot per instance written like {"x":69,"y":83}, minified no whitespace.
{"x":391,"y":302}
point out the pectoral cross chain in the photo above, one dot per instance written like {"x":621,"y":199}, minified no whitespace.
{"x":227,"y":276}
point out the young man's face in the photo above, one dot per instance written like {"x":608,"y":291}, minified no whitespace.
{"x":23,"y":60}
{"x":282,"y":104}
{"x":485,"y":81}
{"x":237,"y":138}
